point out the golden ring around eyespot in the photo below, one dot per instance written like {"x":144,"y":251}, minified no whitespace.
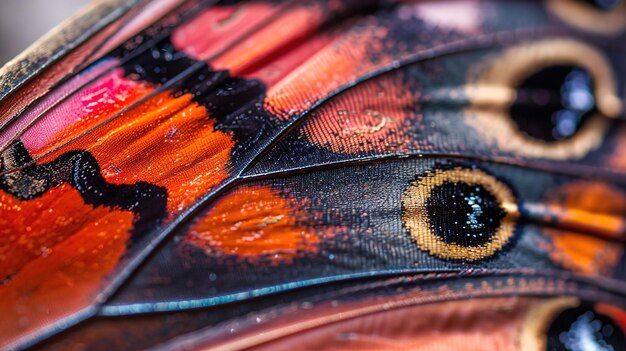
{"x":415,"y":214}
{"x":538,"y":320}
{"x":588,"y":18}
{"x":492,"y":87}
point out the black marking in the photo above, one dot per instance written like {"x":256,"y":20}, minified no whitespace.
{"x":158,"y":65}
{"x":235,"y":103}
{"x":81,"y":170}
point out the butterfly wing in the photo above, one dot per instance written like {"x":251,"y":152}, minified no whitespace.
{"x":271,"y":169}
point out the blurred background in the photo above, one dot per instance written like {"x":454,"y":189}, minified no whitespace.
{"x":24,"y":21}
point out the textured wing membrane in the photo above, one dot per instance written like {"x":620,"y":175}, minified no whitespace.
{"x":211,"y":132}
{"x":436,"y":107}
{"x":260,"y":321}
{"x":382,"y":218}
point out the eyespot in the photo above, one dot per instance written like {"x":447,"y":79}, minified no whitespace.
{"x":549,"y":99}
{"x":606,"y":17}
{"x":459,"y":214}
{"x":568,"y":324}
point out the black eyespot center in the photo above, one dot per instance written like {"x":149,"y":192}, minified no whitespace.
{"x":581,"y":328}
{"x":603,"y":5}
{"x":554,"y":103}
{"x":464,"y":214}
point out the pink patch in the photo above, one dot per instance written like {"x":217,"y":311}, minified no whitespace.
{"x":51,"y":99}
{"x":463,"y":16}
{"x":110,"y":93}
{"x":290,"y":60}
{"x":214,"y":30}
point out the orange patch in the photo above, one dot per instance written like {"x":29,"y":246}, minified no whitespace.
{"x":583,"y":253}
{"x":375,"y":116}
{"x":597,"y":207}
{"x":167,"y":141}
{"x":55,"y":252}
{"x":30,"y":229}
{"x":254,"y":222}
